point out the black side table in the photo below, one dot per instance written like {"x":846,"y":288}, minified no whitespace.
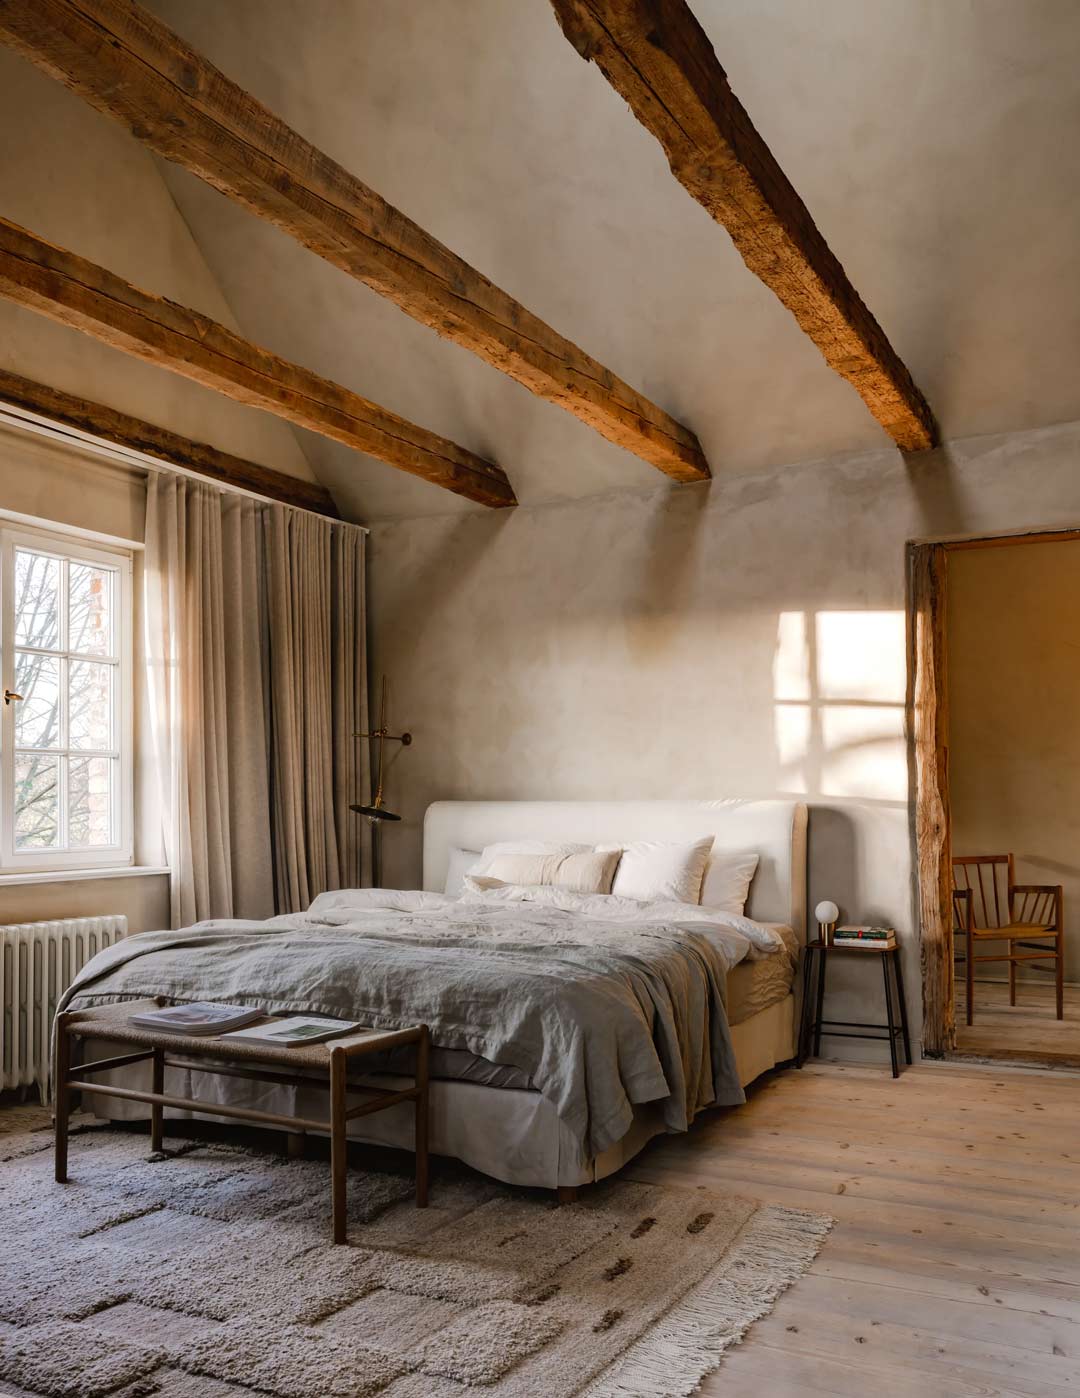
{"x":814,"y":1025}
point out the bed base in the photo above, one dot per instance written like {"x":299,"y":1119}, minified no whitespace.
{"x":511,"y":1135}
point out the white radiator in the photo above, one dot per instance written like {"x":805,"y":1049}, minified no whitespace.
{"x":38,"y":961}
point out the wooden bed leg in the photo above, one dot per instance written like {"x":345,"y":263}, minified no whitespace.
{"x":568,"y":1193}
{"x":294,"y":1145}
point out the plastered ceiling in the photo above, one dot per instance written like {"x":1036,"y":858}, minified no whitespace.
{"x":934,"y":142}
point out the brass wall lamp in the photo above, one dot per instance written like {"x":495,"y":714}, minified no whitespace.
{"x":377,"y":811}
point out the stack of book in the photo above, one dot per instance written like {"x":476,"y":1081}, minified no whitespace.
{"x":865,"y":938}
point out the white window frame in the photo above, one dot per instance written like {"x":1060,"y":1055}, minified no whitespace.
{"x":72,"y":548}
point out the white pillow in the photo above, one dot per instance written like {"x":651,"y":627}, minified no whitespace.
{"x":650,"y":870}
{"x":558,"y":850}
{"x":727,"y":881}
{"x":586,"y":871}
{"x":462,"y":862}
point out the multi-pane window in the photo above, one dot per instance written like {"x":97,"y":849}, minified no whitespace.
{"x":65,"y":648}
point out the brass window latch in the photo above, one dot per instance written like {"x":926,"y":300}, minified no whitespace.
{"x":10,"y":696}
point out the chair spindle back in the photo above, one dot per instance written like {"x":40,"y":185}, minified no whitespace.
{"x":989,"y":880}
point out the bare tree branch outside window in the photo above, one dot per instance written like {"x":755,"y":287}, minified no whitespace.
{"x":63,"y":621}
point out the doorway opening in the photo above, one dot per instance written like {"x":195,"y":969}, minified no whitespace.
{"x":995,"y":631}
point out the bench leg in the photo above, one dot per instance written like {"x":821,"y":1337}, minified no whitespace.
{"x":62,"y":1097}
{"x":157,"y":1112}
{"x":421,"y":1137}
{"x":339,"y":1062}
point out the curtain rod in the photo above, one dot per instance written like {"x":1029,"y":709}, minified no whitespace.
{"x":134,"y":460}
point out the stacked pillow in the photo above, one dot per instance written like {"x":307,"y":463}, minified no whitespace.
{"x":653,"y":871}
{"x":578,"y":868}
{"x":646,"y":870}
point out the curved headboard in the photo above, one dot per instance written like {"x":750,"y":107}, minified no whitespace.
{"x":775,"y":829}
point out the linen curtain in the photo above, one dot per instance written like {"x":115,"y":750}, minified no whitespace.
{"x":255,"y":648}
{"x":318,"y":666}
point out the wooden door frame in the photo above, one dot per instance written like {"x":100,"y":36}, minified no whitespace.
{"x":929,"y":709}
{"x":928,"y":706}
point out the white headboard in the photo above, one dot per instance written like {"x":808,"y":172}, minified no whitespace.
{"x":775,"y":829}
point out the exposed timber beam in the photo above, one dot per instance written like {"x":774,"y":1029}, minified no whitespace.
{"x":659,"y":59}
{"x":76,"y":292}
{"x":131,"y":66}
{"x":119,"y":429}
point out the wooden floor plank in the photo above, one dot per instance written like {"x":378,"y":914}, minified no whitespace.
{"x":953,"y":1270}
{"x":1027,"y":1030}
{"x":954,"y":1265}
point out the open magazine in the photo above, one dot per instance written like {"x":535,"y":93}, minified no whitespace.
{"x":295,"y":1030}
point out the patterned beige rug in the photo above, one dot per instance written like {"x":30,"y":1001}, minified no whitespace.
{"x":207,"y":1272}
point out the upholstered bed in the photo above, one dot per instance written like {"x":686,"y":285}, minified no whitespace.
{"x":490,"y":1114}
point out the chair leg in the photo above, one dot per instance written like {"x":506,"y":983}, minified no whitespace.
{"x":969,"y":968}
{"x":1012,"y":975}
{"x":1059,"y":973}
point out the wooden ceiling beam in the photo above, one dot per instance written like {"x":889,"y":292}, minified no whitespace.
{"x":131,"y":66}
{"x":659,"y":59}
{"x":121,"y":430}
{"x":78,"y":293}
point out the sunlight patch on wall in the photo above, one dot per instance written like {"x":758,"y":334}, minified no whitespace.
{"x":840,"y":685}
{"x":861,"y":655}
{"x":791,"y":662}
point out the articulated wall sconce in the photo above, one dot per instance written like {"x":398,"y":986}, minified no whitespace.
{"x":381,"y":735}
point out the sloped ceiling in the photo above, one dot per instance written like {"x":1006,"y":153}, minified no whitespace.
{"x":934,"y":143}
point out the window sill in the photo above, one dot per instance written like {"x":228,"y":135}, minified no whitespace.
{"x":125,"y":871}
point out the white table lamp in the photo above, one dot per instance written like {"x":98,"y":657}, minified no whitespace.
{"x":826,"y":913}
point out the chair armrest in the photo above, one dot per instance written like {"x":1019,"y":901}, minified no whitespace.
{"x":1039,"y":892}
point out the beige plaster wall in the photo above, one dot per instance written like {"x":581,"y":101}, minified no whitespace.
{"x":745,"y":637}
{"x":1014,"y":735}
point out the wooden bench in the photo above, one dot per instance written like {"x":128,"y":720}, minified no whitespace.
{"x":323,"y":1065}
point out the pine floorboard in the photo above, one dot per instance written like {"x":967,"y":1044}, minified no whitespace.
{"x":1028,"y":1031}
{"x":954,"y":1265}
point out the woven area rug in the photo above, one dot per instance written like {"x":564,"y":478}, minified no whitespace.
{"x":207,"y":1272}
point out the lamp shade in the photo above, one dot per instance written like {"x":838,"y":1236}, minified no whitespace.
{"x":826,"y":911}
{"x":375,"y":812}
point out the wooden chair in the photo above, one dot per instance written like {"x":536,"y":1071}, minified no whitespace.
{"x":989,"y":905}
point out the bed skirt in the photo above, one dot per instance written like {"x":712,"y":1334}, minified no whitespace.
{"x":507,"y":1133}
